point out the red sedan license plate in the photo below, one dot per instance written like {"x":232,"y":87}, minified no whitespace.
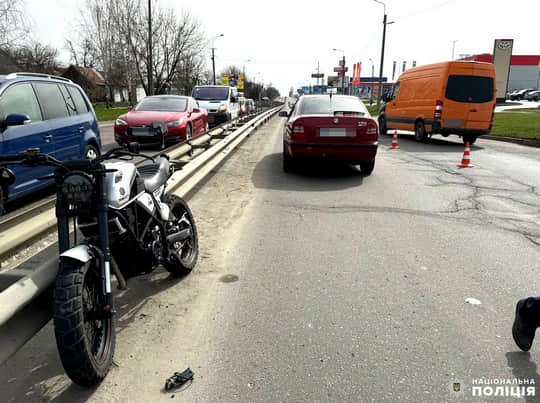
{"x":334,"y":132}
{"x":142,"y":131}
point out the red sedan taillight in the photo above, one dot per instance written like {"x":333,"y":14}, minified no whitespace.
{"x":297,"y":130}
{"x":371,"y":131}
{"x":438,"y":110}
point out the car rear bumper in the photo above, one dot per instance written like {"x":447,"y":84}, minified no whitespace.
{"x":436,"y":128}
{"x":342,"y":152}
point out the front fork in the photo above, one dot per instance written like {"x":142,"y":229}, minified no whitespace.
{"x":102,"y":251}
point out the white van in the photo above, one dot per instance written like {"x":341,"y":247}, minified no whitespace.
{"x":220,"y":101}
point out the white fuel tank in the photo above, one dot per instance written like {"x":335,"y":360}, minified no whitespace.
{"x":118,"y":183}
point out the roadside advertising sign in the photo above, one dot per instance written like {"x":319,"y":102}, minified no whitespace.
{"x":225,"y":79}
{"x":502,"y":54}
{"x":357,"y":67}
{"x":231,"y":80}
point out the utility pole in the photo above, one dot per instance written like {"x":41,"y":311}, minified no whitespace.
{"x":379,"y":90}
{"x":150,"y":57}
{"x":372,"y":75}
{"x":213,"y":67}
{"x":213,"y":58}
{"x":453,"y":47}
{"x":343,"y":78}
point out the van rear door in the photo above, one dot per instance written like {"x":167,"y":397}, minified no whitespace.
{"x":469,"y":100}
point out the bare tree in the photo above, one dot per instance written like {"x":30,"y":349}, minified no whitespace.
{"x":14,"y":26}
{"x":36,"y":57}
{"x":172,"y":39}
{"x":114,"y":37}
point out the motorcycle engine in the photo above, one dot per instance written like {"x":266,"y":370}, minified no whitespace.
{"x":156,"y":243}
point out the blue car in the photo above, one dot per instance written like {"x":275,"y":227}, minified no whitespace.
{"x":46,"y":112}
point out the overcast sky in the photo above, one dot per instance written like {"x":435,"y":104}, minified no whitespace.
{"x":286,"y":39}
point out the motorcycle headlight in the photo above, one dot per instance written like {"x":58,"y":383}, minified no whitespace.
{"x":175,"y":123}
{"x":77,"y":188}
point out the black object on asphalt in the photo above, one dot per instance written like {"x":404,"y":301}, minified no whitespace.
{"x":179,"y":379}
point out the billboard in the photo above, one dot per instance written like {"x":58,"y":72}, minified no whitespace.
{"x":502,"y":54}
{"x":232,"y":80}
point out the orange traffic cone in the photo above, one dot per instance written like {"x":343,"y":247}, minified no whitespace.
{"x":466,"y":160}
{"x":394,"y":145}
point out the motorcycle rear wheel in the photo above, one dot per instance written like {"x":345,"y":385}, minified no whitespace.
{"x":183,"y":254}
{"x":85,"y":332}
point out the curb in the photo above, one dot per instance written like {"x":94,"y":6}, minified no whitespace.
{"x":515,"y":140}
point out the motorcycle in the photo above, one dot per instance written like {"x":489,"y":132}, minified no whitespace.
{"x":113,"y":217}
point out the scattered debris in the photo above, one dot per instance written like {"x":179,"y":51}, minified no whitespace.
{"x":179,"y":379}
{"x":473,"y":301}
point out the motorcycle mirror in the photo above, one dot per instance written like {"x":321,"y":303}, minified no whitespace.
{"x":134,"y":147}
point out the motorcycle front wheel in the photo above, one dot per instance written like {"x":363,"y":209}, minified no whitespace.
{"x":84,"y":329}
{"x":183,"y":253}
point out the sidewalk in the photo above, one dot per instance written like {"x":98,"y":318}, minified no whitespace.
{"x":516,"y":105}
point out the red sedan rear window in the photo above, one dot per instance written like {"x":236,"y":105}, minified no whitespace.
{"x":326,"y":105}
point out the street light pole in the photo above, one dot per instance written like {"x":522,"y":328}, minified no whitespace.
{"x":244,"y":72}
{"x":372,"y":74}
{"x":214,"y":59}
{"x":453,"y":47}
{"x":379,"y":90}
{"x":343,"y":78}
{"x":150,"y":57}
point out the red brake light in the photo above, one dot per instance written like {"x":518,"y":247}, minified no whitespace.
{"x":298,"y":129}
{"x":372,"y":130}
{"x":438,"y":110}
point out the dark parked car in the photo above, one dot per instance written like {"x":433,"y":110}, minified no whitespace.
{"x":337,"y":127}
{"x":161,"y":119}
{"x":533,"y":95}
{"x":46,"y":112}
{"x":518,"y":95}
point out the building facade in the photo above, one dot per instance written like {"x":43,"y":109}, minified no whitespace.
{"x":524,"y":70}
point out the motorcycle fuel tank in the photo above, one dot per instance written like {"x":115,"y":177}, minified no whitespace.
{"x":118,"y":183}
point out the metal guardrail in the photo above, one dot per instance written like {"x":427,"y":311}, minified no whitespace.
{"x":24,"y":226}
{"x":25,"y":292}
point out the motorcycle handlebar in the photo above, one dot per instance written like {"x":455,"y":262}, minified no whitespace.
{"x":30,"y":157}
{"x":11,"y":158}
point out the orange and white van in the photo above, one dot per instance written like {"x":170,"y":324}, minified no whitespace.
{"x":443,"y":98}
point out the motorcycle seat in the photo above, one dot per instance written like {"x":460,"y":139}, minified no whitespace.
{"x":154,"y":175}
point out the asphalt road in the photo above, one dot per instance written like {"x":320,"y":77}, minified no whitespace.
{"x":329,"y":285}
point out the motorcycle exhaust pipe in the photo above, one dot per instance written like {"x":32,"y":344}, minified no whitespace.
{"x":179,"y":236}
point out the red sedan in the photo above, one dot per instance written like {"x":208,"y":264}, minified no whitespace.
{"x":161,"y":119}
{"x":337,"y":127}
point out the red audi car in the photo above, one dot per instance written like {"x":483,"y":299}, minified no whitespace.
{"x":161,"y":119}
{"x":337,"y":127}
